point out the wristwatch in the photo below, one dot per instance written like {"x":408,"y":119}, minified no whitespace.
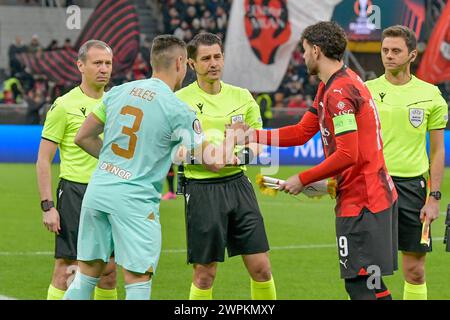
{"x":436,"y":194}
{"x":46,"y":205}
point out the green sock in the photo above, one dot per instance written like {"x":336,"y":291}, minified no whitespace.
{"x":263,"y":290}
{"x":105,"y":294}
{"x":54,"y":293}
{"x":415,"y":291}
{"x":200,"y":294}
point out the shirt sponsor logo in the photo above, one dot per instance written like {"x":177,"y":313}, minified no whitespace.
{"x":115,"y":170}
{"x":237,"y":118}
{"x":340,"y":113}
{"x":325,"y":133}
{"x":382,"y":95}
{"x":416,"y":116}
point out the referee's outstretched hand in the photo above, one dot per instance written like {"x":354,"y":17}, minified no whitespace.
{"x":51,"y":220}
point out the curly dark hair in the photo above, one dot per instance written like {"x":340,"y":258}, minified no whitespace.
{"x":327,"y":35}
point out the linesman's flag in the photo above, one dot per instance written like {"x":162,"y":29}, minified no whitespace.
{"x":114,"y":22}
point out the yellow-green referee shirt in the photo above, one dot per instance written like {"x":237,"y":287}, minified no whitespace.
{"x":407,"y":112}
{"x":64,"y":118}
{"x":231,"y":104}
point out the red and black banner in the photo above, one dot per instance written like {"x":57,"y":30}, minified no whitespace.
{"x":435,"y":64}
{"x":114,"y":22}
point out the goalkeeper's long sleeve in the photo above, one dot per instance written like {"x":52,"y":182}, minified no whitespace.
{"x":345,"y":156}
{"x":295,"y":135}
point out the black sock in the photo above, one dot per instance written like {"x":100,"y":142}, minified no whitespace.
{"x":383,"y":293}
{"x":170,"y":180}
{"x":358,"y":289}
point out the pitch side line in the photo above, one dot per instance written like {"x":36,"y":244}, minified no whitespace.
{"x":292,"y":247}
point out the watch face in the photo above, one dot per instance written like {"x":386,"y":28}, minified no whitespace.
{"x":436,"y":194}
{"x":46,"y":205}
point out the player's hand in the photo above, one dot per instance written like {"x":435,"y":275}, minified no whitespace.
{"x":51,"y":220}
{"x":293,"y":185}
{"x":429,"y":212}
{"x":242,"y":132}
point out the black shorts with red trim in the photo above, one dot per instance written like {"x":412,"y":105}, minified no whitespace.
{"x":368,"y":243}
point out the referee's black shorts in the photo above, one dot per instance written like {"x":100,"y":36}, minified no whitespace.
{"x":70,"y":196}
{"x":412,"y":195}
{"x":223,"y":213}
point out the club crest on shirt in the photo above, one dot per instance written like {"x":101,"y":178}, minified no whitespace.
{"x":237,"y":118}
{"x":196,"y":126}
{"x":416,"y":116}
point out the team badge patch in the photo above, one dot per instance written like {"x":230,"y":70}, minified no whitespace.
{"x":237,"y":118}
{"x":341,"y":105}
{"x":416,"y":116}
{"x":196,"y":126}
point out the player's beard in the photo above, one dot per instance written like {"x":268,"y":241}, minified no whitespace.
{"x":312,"y":69}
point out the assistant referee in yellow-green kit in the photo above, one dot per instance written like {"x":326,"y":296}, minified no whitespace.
{"x":64,"y":118}
{"x":410,"y":108}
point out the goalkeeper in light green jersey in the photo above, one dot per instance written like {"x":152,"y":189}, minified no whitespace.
{"x":410,"y":108}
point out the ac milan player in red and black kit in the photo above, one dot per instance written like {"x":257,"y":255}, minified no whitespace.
{"x":345,"y":114}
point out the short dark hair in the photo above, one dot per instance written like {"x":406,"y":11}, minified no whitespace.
{"x":204,"y":38}
{"x":399,"y":31}
{"x":82,"y":52}
{"x":161,"y":57}
{"x":328,"y":36}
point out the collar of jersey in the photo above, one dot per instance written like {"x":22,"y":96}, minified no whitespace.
{"x":162,"y":82}
{"x":222,"y":89}
{"x":402,"y":86}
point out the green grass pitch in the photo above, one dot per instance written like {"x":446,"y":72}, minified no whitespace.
{"x":300,"y":230}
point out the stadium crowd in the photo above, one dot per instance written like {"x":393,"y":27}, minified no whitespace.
{"x":184,"y":19}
